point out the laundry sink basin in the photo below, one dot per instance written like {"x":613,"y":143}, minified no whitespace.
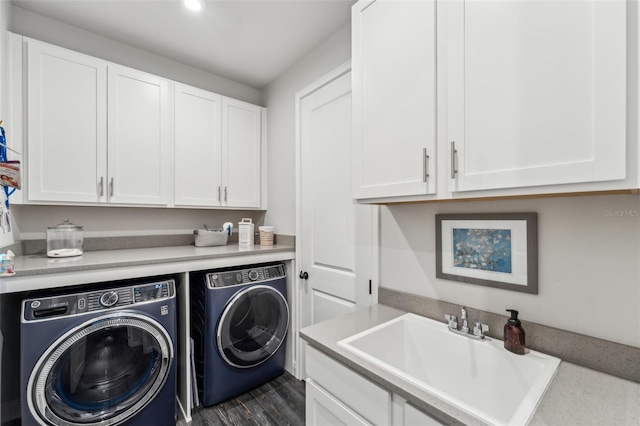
{"x":478,"y":376}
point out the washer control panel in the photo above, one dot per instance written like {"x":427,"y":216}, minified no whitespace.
{"x":245,"y":276}
{"x":79,"y":303}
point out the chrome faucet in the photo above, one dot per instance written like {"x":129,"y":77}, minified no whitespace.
{"x":479,"y":329}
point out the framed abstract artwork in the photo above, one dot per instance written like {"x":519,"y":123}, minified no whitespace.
{"x":491,"y":249}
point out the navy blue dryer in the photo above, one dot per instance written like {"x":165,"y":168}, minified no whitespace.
{"x":240,"y":319}
{"x":100,"y":357}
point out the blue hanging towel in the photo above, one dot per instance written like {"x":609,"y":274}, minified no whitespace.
{"x":3,"y":159}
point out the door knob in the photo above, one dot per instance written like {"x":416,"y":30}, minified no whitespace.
{"x":304,"y":275}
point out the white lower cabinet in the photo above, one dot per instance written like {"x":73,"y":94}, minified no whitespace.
{"x":324,"y":409}
{"x":363,"y":398}
{"x":414,"y":417}
{"x":337,"y":395}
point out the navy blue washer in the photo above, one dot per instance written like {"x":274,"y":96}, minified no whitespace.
{"x":105,"y":357}
{"x":240,"y":319}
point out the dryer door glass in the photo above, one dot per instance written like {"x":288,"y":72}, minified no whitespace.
{"x":102,"y":372}
{"x":253,"y":326}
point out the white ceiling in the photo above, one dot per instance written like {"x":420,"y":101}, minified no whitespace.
{"x":248,"y":41}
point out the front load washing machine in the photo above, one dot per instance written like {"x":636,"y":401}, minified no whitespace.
{"x":239,"y":324}
{"x":100,"y":357}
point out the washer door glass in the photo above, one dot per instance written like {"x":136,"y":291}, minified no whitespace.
{"x":253,"y":326}
{"x":102,"y":372}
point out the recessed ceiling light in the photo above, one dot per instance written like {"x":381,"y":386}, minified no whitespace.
{"x":195,"y":5}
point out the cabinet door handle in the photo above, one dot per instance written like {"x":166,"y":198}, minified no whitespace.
{"x":101,"y":186}
{"x":454,"y":156}
{"x":425,"y":165}
{"x":225,"y":194}
{"x":111,"y":188}
{"x":219,"y":197}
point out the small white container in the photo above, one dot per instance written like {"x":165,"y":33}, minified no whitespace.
{"x":245,"y":232}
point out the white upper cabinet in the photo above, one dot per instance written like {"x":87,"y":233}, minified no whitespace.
{"x":66,"y":125}
{"x":197,"y":147}
{"x":101,"y":133}
{"x":536,"y":92}
{"x":518,"y":97}
{"x":218,"y":150}
{"x":241,"y":153}
{"x":394,"y":98}
{"x":73,"y":153}
{"x":139,"y":170}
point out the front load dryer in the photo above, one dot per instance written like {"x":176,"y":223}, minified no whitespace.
{"x":100,"y":357}
{"x":239,"y":324}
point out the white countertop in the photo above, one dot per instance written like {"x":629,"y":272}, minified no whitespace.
{"x":39,"y":271}
{"x":576,"y":395}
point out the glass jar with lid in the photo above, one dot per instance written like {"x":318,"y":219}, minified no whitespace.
{"x":64,"y":240}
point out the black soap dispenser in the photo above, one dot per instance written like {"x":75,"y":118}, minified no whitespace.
{"x":514,"y":334}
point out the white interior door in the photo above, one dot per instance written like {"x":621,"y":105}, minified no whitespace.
{"x":336,"y":233}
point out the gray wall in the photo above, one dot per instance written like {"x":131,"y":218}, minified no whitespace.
{"x":589,"y":262}
{"x":36,"y":26}
{"x":32,"y":221}
{"x":279,"y":98}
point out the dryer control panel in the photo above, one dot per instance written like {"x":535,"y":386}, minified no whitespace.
{"x":245,"y":276}
{"x":79,"y":303}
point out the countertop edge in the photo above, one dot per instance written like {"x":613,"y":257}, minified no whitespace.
{"x":126,"y":263}
{"x":34,"y":272}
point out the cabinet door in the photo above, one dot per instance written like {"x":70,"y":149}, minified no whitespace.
{"x":536,"y":92}
{"x":139,"y":170}
{"x":197,"y":147}
{"x":360,"y":394}
{"x":241,"y":153}
{"x":394,"y":98}
{"x":415,"y":417}
{"x":66,"y":124}
{"x":324,"y":409}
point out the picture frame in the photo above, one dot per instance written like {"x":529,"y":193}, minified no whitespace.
{"x":498,"y":250}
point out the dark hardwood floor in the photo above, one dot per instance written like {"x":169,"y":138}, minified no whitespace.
{"x":277,"y":403}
